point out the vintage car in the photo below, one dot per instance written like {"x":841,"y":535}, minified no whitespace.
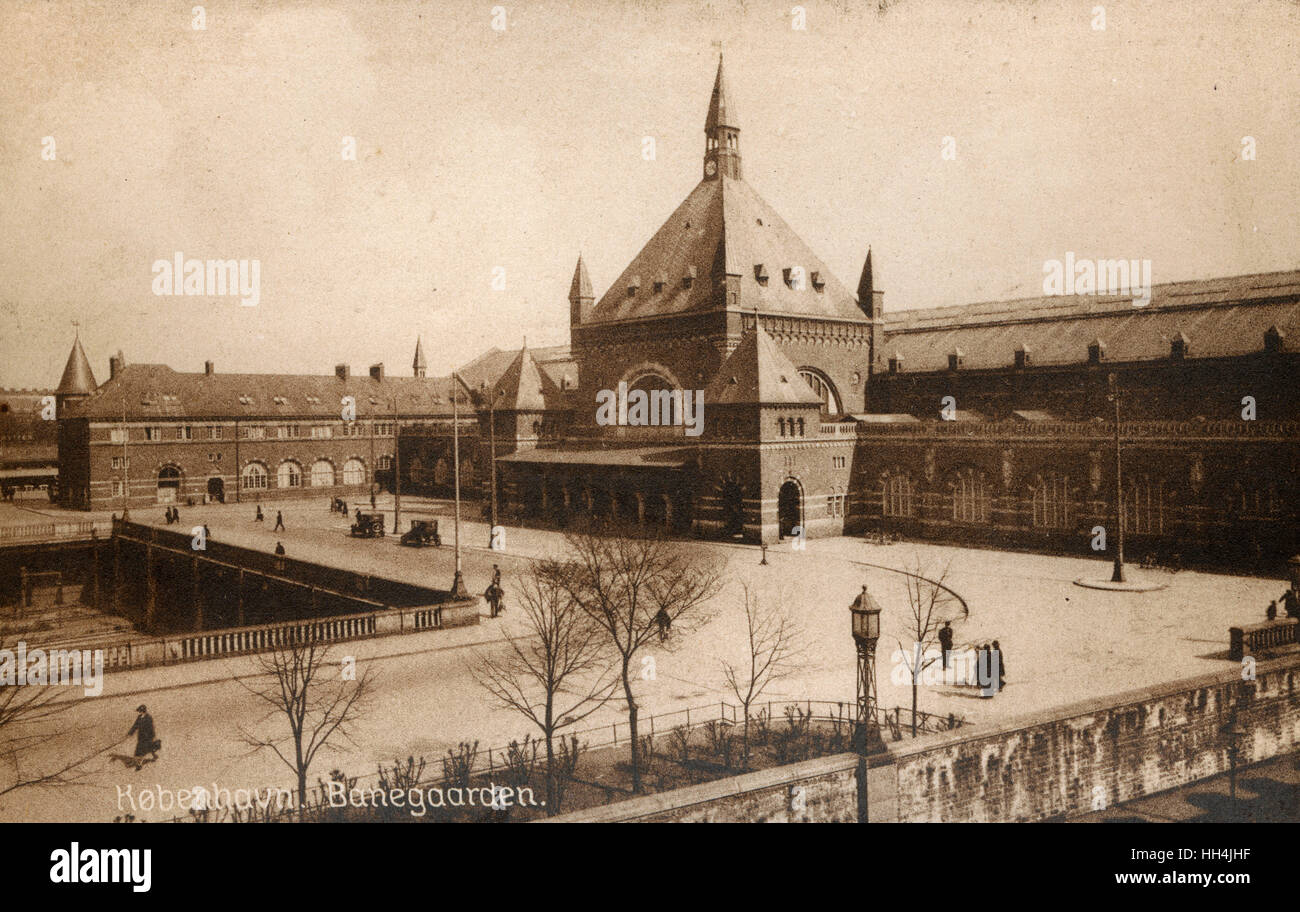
{"x":422,"y":532}
{"x":368,"y":525}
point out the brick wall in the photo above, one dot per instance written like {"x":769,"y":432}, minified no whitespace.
{"x":1048,"y":765}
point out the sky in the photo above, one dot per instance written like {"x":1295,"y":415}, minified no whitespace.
{"x":484,"y":152}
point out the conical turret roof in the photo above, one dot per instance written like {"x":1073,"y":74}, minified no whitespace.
{"x":78,"y":379}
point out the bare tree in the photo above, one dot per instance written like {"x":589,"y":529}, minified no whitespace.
{"x":28,"y":719}
{"x":930,"y":603}
{"x":302,"y":683}
{"x":554,"y":675}
{"x":636,"y":589}
{"x":774,"y":651}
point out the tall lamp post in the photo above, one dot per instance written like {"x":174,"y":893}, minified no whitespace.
{"x":865,"y":613}
{"x":397,"y":469}
{"x":492,"y":444}
{"x":1117,"y":574}
{"x":458,"y":590}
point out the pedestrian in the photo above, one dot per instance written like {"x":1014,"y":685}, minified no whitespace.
{"x":491,"y":595}
{"x":145,"y":741}
{"x":1270,"y":613}
{"x":176,"y":514}
{"x":259,"y":517}
{"x":372,"y":500}
{"x":344,"y":504}
{"x":496,"y":576}
{"x":437,"y":539}
{"x":206,"y":534}
{"x":279,"y":522}
{"x":664,"y":623}
{"x":945,"y":641}
{"x":358,"y":514}
{"x":1001,"y":665}
{"x":279,"y":549}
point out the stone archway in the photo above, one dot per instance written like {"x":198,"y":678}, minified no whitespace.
{"x":789,"y":508}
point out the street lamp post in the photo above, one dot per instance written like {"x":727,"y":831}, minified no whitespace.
{"x":866,"y":632}
{"x":126,"y":470}
{"x":458,"y":590}
{"x":492,"y":445}
{"x":397,"y":470}
{"x":1117,"y":574}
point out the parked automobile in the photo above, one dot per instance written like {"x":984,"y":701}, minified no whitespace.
{"x":368,"y":525}
{"x":422,"y":532}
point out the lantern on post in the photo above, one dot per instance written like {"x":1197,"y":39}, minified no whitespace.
{"x":865,"y":624}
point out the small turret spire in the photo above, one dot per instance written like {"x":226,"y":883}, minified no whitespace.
{"x":722,"y":132}
{"x":419,"y":364}
{"x":581,"y":297}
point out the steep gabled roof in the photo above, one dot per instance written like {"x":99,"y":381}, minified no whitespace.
{"x":78,"y":379}
{"x":489,"y":367}
{"x":723,"y":226}
{"x":525,"y":387}
{"x":758,"y":373}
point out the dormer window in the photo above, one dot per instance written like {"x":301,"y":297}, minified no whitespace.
{"x":760,"y":273}
{"x":1096,"y":351}
{"x":1274,"y":341}
{"x":689,"y":278}
{"x":955,"y":359}
{"x":1022,"y":356}
{"x":896,"y":363}
{"x":633,"y":285}
{"x":794,"y":277}
{"x":1178,"y":347}
{"x":818,"y":283}
{"x":661,"y":282}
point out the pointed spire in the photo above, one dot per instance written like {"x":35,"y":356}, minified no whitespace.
{"x":78,"y":379}
{"x":419,"y":364}
{"x":722,"y":129}
{"x":722,"y":113}
{"x":866,"y":284}
{"x":580,"y":288}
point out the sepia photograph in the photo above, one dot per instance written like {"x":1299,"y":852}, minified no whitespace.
{"x":664,"y":411}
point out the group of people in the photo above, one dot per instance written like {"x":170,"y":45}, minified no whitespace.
{"x":172,"y":515}
{"x":985,"y":657}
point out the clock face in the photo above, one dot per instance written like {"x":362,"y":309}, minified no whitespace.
{"x":710,"y":168}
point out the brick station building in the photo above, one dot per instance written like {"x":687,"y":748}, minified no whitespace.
{"x":173,"y":437}
{"x":825,"y":414}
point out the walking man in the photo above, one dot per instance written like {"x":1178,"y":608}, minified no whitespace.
{"x":145,"y":742}
{"x":279,"y":549}
{"x":279,"y":522}
{"x":259,"y":517}
{"x":1000,"y":664}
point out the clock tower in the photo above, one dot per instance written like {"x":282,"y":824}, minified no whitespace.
{"x":722,"y":142}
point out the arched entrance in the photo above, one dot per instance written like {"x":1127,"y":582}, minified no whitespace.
{"x":169,"y":484}
{"x":216,"y":490}
{"x":733,"y":509}
{"x":789,"y":508}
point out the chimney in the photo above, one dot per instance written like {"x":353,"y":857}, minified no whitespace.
{"x":377,"y":371}
{"x":209,"y":369}
{"x":341,"y":371}
{"x":114,"y":367}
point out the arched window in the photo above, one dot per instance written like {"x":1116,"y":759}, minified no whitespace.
{"x":971,"y":500}
{"x":354,"y":472}
{"x":441,"y":472}
{"x":415,"y":469}
{"x":289,"y":475}
{"x":466,"y":471}
{"x":322,"y":474}
{"x":896,"y":494}
{"x":1051,"y":495}
{"x":254,"y":478}
{"x":820,"y":384}
{"x":1144,"y":506}
{"x":661,"y":404}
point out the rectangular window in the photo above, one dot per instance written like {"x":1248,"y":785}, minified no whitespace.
{"x":153,"y":433}
{"x":185,"y":432}
{"x":321,"y":431}
{"x":118,"y":460}
{"x":214,"y":432}
{"x":117,"y":488}
{"x":254,"y":433}
{"x":118,"y":435}
{"x":838,"y":462}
